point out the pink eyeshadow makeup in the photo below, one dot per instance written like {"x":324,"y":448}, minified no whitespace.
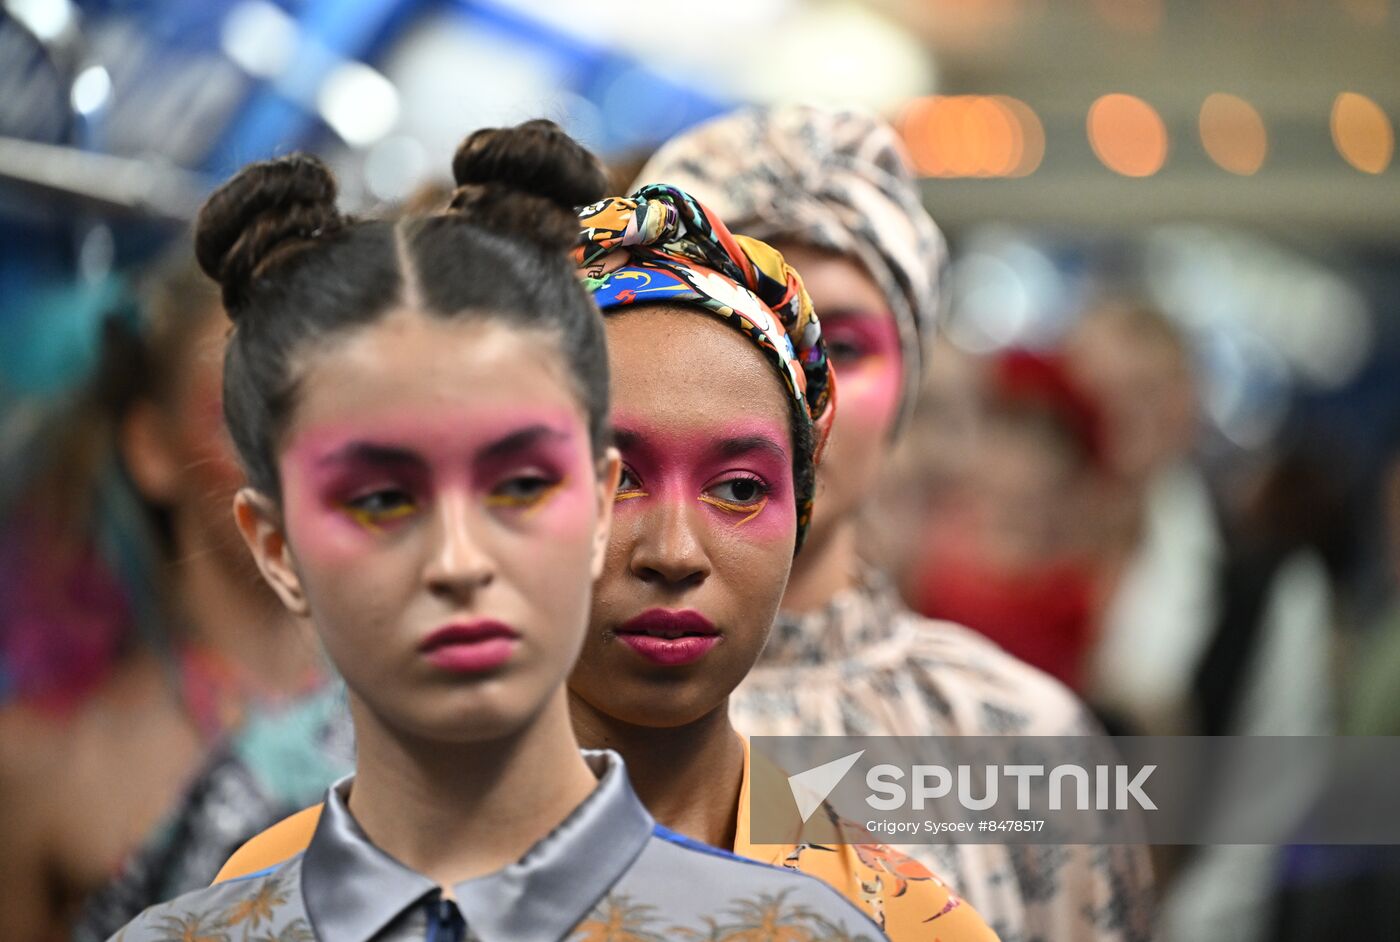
{"x":870,"y":382}
{"x":686,"y":466}
{"x":415,"y":457}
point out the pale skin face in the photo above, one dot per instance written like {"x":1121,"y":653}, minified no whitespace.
{"x":437,"y":476}
{"x":1020,"y":495}
{"x":705,"y":520}
{"x":863,"y":343}
{"x":1142,"y":385}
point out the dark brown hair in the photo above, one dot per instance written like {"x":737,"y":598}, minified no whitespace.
{"x":295,"y":271}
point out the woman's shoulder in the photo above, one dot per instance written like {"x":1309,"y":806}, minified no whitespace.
{"x":989,"y":692}
{"x":269,"y":902}
{"x":682,"y":885}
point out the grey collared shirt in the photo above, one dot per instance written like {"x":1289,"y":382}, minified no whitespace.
{"x":608,"y":871}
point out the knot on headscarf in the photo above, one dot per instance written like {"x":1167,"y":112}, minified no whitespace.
{"x":835,"y":180}
{"x":662,"y":245}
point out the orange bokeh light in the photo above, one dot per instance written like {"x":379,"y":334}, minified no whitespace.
{"x":1362,"y":133}
{"x":1127,"y":135}
{"x":1032,"y":137}
{"x":972,"y":136}
{"x":1233,"y":134}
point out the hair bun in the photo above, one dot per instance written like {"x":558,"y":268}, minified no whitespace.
{"x":499,"y":170}
{"x":536,"y":157}
{"x":269,"y":208}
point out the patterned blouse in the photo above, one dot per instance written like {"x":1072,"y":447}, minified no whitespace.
{"x":609,"y":872}
{"x":865,"y":665}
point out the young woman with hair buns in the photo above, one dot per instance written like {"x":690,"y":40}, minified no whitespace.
{"x":421,"y":407}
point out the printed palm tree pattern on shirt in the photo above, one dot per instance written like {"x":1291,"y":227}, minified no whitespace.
{"x":767,"y":917}
{"x":247,"y":920}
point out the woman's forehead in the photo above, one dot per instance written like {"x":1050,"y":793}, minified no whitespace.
{"x":685,"y":363}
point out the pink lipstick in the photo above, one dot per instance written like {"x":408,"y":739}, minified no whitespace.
{"x":470,"y":647}
{"x":669,"y":638}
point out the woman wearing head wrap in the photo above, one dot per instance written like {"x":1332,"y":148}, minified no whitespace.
{"x":833,"y":192}
{"x":706,"y":528}
{"x":722,"y":400}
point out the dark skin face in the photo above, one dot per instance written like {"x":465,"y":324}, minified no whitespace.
{"x":705,"y":520}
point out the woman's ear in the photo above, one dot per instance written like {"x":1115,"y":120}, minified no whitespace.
{"x":609,"y":474}
{"x":148,"y":452}
{"x":261,"y":526}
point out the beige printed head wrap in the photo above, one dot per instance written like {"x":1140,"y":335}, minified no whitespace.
{"x":836,"y":180}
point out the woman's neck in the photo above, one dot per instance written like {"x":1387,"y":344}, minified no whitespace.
{"x":688,"y":776}
{"x":453,"y":812}
{"x":827,"y":566}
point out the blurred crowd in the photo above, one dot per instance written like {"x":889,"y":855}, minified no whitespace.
{"x":1069,"y":496}
{"x":1058,"y":500}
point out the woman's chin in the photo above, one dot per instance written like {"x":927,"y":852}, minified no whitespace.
{"x":461,"y":725}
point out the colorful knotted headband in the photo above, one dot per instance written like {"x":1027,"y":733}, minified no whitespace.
{"x":838,"y":180}
{"x":661,"y":245}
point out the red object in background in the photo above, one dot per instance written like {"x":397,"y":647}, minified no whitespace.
{"x":1020,"y":377}
{"x":1044,"y":616}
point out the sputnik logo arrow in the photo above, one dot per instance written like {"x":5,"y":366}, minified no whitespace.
{"x":810,"y":788}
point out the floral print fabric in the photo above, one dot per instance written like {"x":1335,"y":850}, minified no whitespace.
{"x":865,"y":665}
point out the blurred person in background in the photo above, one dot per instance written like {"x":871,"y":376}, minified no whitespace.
{"x":1181,"y":650}
{"x":1007,"y":560}
{"x":834,"y":193}
{"x":135,"y":628}
{"x":925,"y":471}
{"x":1208,"y":628}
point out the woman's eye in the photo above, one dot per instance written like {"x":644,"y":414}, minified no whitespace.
{"x":628,"y":482}
{"x":844,"y":350}
{"x":380,"y":506}
{"x":743,"y":491}
{"x":522,"y":491}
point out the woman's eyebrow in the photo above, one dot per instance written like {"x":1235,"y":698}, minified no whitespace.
{"x":371,"y":453}
{"x":520,"y":440}
{"x":732,"y":446}
{"x":854,"y":312}
{"x":747,"y":444}
{"x":624,"y":438}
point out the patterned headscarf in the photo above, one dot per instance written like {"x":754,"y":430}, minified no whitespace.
{"x":662,"y":245}
{"x":837,"y":180}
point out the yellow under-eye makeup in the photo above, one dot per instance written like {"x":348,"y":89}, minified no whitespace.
{"x":539,"y":494}
{"x":750,"y":510}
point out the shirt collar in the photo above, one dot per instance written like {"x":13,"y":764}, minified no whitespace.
{"x":852,"y":621}
{"x":353,"y":890}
